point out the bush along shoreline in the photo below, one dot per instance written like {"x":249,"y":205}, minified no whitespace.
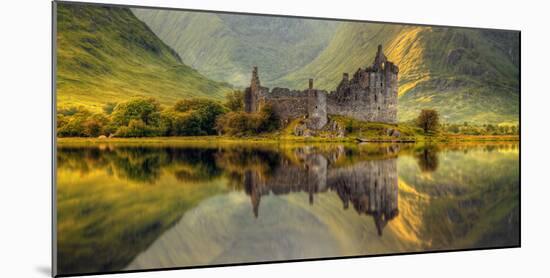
{"x":145,"y":117}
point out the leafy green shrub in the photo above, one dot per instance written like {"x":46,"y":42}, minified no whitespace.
{"x":137,"y":128}
{"x":242,"y":123}
{"x":189,"y":124}
{"x":268,"y":119}
{"x":109,"y":107}
{"x":138,"y":117}
{"x":145,"y":109}
{"x":195,"y":117}
{"x":81,"y":123}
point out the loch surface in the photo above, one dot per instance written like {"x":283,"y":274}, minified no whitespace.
{"x":131,"y":207}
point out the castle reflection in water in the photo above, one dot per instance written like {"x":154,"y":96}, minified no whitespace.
{"x":363,"y":177}
{"x":370,"y":185}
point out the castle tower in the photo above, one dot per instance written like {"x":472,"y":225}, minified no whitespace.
{"x":252,"y":93}
{"x":370,"y":94}
{"x":252,"y":188}
{"x":380,"y":59}
{"x":316,"y":107}
{"x":255,"y":82}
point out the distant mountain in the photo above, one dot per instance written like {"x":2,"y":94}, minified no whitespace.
{"x":468,"y":75}
{"x":105,"y":54}
{"x":226,"y":47}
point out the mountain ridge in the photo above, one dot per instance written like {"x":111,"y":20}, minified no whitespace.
{"x":437,"y":65}
{"x":225,"y":47}
{"x":105,"y":54}
{"x":468,"y":75}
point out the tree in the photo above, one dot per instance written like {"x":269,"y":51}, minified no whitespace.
{"x":454,"y":128}
{"x":81,"y":123}
{"x":109,"y":107}
{"x":197,"y":116}
{"x":268,"y":119}
{"x":234,"y":101}
{"x":242,"y":123}
{"x":95,"y":125}
{"x":145,"y":109}
{"x":428,"y":120}
{"x":188,"y":124}
{"x":137,"y":128}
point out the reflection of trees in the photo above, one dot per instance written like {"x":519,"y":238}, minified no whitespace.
{"x":368,"y":182}
{"x":427,"y":158}
{"x":236,"y":162}
{"x":138,"y":163}
{"x":193,"y":164}
{"x":142,"y":164}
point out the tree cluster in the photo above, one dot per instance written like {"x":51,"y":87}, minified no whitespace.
{"x":486,"y":129}
{"x":145,"y":117}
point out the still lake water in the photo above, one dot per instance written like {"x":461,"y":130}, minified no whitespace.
{"x":128,"y":207}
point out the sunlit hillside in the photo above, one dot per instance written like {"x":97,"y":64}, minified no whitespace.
{"x":468,"y":75}
{"x":108,"y":55}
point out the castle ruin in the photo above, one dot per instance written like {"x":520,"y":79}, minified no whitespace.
{"x":369,"y":95}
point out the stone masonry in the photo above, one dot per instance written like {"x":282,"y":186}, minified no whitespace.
{"x":369,"y":95}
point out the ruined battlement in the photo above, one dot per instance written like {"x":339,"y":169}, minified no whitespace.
{"x":370,"y":95}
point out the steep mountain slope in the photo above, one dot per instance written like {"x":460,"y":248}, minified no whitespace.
{"x":468,"y":75}
{"x":106,"y":54}
{"x":225,"y":47}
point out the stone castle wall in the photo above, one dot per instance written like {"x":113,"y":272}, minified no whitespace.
{"x":370,"y":95}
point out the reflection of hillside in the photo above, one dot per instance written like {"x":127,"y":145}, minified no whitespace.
{"x":141,"y":164}
{"x":470,"y":200}
{"x":106,"y":216}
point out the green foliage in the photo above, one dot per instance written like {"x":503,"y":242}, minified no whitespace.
{"x":196,"y":116}
{"x":428,"y":120}
{"x":81,"y":123}
{"x":69,"y":111}
{"x":182,"y":124}
{"x":109,"y":107}
{"x":144,"y":117}
{"x":371,"y":130}
{"x":268,"y":119}
{"x":486,"y":129}
{"x":146,"y":110}
{"x":242,"y":123}
{"x":234,"y":101}
{"x":137,"y":128}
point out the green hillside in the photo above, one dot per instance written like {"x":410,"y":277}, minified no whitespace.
{"x":225,"y":47}
{"x":468,"y":75}
{"x":106,"y":54}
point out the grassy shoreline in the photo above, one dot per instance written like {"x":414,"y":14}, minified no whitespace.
{"x":276,"y":139}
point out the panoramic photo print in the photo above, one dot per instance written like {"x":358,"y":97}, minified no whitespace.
{"x":194,"y":138}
